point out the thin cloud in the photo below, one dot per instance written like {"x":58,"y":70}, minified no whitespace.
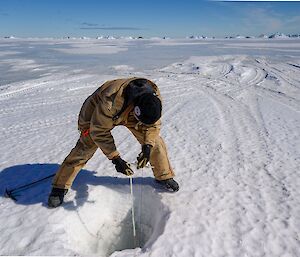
{"x":263,"y":19}
{"x":2,"y":13}
{"x":294,"y":19}
{"x":89,"y":24}
{"x":111,"y":28}
{"x":293,"y":24}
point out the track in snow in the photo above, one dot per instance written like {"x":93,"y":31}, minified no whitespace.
{"x":250,"y":200}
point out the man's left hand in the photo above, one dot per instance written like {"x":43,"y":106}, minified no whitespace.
{"x":144,"y":156}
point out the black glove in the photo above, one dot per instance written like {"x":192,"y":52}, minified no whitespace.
{"x":122,"y":166}
{"x":144,"y":156}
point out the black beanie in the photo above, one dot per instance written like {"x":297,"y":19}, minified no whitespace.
{"x":147,"y":108}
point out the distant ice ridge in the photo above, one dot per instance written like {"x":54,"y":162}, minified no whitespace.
{"x":263,"y":36}
{"x":276,"y":35}
{"x":10,"y":37}
{"x":280,"y":35}
{"x":197,"y":37}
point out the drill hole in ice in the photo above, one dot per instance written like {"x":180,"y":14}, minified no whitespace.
{"x":104,"y":224}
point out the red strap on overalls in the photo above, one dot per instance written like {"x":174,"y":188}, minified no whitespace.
{"x":85,"y":133}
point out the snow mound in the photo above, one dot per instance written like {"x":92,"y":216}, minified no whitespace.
{"x":204,"y":66}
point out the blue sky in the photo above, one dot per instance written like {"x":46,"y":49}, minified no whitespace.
{"x":173,"y":18}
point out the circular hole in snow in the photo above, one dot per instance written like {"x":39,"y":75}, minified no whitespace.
{"x":103,"y":224}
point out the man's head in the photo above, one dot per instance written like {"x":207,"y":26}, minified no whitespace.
{"x":147,"y":108}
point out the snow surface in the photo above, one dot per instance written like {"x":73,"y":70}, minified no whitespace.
{"x":231,"y":123}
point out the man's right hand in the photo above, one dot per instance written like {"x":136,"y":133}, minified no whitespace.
{"x":122,"y":166}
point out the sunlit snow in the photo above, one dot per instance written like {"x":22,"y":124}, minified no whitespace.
{"x":231,"y":122}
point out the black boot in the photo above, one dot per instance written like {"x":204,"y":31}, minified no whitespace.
{"x":56,"y":197}
{"x":169,"y":184}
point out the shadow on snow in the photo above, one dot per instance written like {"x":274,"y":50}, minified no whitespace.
{"x":20,"y":175}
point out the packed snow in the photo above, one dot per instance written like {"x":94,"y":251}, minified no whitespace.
{"x":231,"y":122}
